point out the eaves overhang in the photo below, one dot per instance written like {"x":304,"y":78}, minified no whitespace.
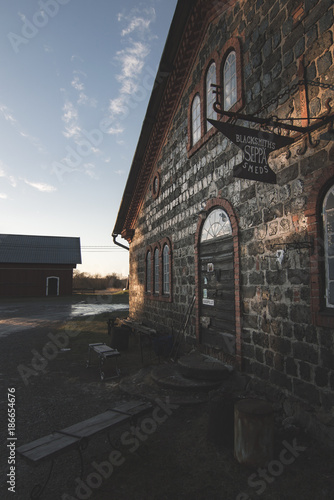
{"x":137,"y":178}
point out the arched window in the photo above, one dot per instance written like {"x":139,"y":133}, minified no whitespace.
{"x":216,"y":224}
{"x":156,"y":271}
{"x":196,"y":119}
{"x":328,"y":231}
{"x":166,"y":271}
{"x":148,"y":271}
{"x":210,"y":96}
{"x":230,"y":81}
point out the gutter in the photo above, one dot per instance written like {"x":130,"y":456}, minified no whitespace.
{"x":114,"y":236}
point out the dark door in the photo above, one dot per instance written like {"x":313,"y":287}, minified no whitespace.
{"x":217,"y":289}
{"x":53,"y":286}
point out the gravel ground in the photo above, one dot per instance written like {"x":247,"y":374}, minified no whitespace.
{"x":170,"y":460}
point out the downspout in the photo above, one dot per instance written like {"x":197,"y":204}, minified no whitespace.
{"x":114,"y":236}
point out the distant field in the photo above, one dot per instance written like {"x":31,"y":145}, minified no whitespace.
{"x":107,"y":291}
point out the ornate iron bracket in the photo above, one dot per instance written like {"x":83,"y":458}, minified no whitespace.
{"x":279,"y":123}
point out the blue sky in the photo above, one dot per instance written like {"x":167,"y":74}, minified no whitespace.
{"x":76,"y":80}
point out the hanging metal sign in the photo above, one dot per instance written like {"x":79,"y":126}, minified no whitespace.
{"x":256,"y":146}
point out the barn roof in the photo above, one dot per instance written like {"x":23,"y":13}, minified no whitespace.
{"x":25,"y":249}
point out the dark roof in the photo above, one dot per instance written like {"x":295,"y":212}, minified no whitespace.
{"x":181,"y":15}
{"x":23,"y":249}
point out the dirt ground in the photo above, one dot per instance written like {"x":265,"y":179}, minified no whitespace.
{"x":168,"y":458}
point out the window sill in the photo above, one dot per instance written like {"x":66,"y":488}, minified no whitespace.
{"x":324,"y":318}
{"x":193,"y":149}
{"x":159,"y":298}
{"x":210,"y":133}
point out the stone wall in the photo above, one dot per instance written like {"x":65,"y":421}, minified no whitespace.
{"x":281,"y":343}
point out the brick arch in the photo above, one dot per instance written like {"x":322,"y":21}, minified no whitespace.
{"x":213,"y":58}
{"x":166,"y":242}
{"x":321,"y":184}
{"x":148,"y":249}
{"x":212,"y":204}
{"x":234,"y":44}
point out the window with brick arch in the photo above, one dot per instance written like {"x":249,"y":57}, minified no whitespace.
{"x":196,"y":119}
{"x":230,"y":81}
{"x":156,"y":271}
{"x":148,"y":271}
{"x":166,"y":271}
{"x":211,"y":79}
{"x":328,"y":232}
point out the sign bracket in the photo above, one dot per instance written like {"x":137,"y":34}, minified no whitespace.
{"x":279,"y":123}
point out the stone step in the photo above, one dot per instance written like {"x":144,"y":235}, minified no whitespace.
{"x":199,"y":366}
{"x":169,"y":376}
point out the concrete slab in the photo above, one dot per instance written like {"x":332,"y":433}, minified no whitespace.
{"x":170,"y":376}
{"x":199,"y":366}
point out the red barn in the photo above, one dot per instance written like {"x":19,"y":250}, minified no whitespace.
{"x":37,"y":265}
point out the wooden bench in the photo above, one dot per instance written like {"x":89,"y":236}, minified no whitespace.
{"x":77,"y":436}
{"x":161,"y":344}
{"x":144,"y":332}
{"x":104,"y":352}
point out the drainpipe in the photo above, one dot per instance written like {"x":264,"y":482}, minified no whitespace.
{"x":114,"y":236}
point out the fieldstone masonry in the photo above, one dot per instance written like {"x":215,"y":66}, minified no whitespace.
{"x":282,"y":344}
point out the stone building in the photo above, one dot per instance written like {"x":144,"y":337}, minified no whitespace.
{"x":249,"y":257}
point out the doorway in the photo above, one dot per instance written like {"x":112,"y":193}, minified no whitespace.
{"x":216,"y":283}
{"x":52,"y":286}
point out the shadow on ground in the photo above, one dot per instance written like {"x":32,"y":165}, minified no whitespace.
{"x":169,"y":459}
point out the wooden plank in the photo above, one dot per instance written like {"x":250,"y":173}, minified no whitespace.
{"x":99,"y":423}
{"x":139,"y":327}
{"x":107,"y":420}
{"x":47,"y":447}
{"x":55,"y":443}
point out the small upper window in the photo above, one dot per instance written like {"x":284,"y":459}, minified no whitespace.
{"x":210,"y":96}
{"x":328,"y":221}
{"x":230,"y":81}
{"x":196,"y":119}
{"x":156,"y":185}
{"x":165,"y":264}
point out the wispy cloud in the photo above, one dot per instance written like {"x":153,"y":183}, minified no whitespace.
{"x":79,"y":86}
{"x":137,"y":20}
{"x":132,"y":60}
{"x":9,"y":117}
{"x":89,"y":169}
{"x":70,"y":118}
{"x":3,"y":173}
{"x":76,"y":58}
{"x":136,"y":34}
{"x":41,"y":186}
{"x":7,"y":114}
{"x":138,"y":23}
{"x":3,"y":196}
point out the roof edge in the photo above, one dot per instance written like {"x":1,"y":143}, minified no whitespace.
{"x":174,"y":37}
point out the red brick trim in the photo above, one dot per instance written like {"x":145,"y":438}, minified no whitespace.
{"x":225,"y":205}
{"x":233,"y":44}
{"x":197,"y":91}
{"x":321,"y":316}
{"x":160,"y":246}
{"x":155,"y":192}
{"x":148,"y":249}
